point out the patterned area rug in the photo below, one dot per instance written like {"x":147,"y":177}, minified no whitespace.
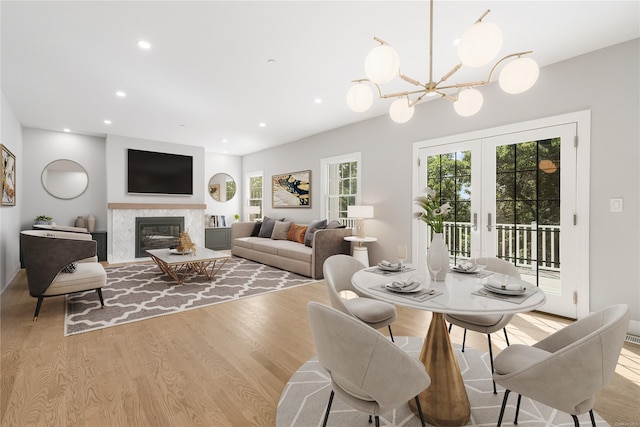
{"x":304,"y":399}
{"x":141,"y":291}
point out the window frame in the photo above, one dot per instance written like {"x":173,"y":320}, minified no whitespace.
{"x":248,"y":178}
{"x":325,"y":164}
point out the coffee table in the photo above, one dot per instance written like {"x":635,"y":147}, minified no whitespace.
{"x":181,"y":266}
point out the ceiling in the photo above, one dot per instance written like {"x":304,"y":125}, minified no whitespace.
{"x":208,"y":77}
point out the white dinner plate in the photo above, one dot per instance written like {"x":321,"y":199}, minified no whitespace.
{"x":175,"y":252}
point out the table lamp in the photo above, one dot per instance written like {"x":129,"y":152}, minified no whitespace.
{"x":360,"y":212}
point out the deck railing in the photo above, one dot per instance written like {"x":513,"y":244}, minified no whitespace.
{"x":513,"y":242}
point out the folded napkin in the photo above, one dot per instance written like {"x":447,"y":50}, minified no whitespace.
{"x":388,"y":264}
{"x":465,"y":266}
{"x":508,"y":286}
{"x":404,"y":286}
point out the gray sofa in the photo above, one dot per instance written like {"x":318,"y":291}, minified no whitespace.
{"x":289,"y":255}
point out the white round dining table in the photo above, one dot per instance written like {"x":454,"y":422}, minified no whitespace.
{"x":445,"y":401}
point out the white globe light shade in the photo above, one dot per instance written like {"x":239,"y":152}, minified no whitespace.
{"x":359,"y":97}
{"x":382,"y":64}
{"x":400,"y":111}
{"x":480,"y":44}
{"x":469,"y":102}
{"x":519,"y":75}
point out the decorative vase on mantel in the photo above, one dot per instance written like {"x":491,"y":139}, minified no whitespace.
{"x":80,"y":222}
{"x":438,"y":258}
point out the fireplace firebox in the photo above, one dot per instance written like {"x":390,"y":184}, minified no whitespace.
{"x":157,"y":233}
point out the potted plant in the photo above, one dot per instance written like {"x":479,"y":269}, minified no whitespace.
{"x":43,"y":219}
{"x":236,"y":217}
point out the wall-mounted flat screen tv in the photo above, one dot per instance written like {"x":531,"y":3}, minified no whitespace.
{"x":149,"y":172}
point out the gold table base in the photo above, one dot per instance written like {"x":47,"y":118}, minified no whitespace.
{"x":445,"y":401}
{"x":180,"y":272}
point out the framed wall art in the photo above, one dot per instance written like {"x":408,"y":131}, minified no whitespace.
{"x":8,"y":174}
{"x":291,"y":190}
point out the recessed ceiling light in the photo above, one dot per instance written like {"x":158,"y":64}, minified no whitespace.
{"x":225,"y":140}
{"x":456,"y":42}
{"x":262,"y":124}
{"x":143,"y":44}
{"x":121,"y":94}
{"x":66,"y":130}
{"x":318,"y":100}
{"x":225,"y":152}
{"x":107,"y":122}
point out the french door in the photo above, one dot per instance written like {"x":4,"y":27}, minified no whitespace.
{"x":513,"y":196}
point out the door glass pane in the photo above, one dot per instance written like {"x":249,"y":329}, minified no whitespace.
{"x":449,"y":175}
{"x":528,"y":210}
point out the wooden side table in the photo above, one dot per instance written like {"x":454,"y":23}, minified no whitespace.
{"x":360,"y":252}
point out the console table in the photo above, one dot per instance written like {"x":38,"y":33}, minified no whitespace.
{"x":101,"y":239}
{"x":217,"y":238}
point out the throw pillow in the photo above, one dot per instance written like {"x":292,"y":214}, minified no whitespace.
{"x":335,"y":224}
{"x":280,"y":230}
{"x":318,"y":224}
{"x":70,"y":268}
{"x":256,"y":229}
{"x":266,"y":230}
{"x":296,"y":233}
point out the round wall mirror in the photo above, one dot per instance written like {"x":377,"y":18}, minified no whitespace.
{"x":222,"y":187}
{"x":64,"y":179}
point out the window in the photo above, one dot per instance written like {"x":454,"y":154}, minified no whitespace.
{"x":341,"y":185}
{"x":254,"y":191}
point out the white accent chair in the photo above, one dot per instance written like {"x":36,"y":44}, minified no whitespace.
{"x":486,"y":323}
{"x":46,"y":253}
{"x":566,"y":369}
{"x":338,"y":271}
{"x":367,"y":371}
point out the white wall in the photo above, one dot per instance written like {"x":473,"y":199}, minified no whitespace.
{"x":231,"y":165}
{"x":11,"y":134}
{"x":565,"y":87}
{"x":41,"y":147}
{"x":116,"y":160}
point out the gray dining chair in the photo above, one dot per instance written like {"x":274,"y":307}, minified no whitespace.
{"x":367,"y":371}
{"x":486,"y":323}
{"x":338,"y":271}
{"x":566,"y":369}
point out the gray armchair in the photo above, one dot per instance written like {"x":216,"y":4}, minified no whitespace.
{"x":486,"y":323}
{"x":47,"y":253}
{"x":338,"y":270}
{"x":367,"y":372}
{"x":566,"y":369}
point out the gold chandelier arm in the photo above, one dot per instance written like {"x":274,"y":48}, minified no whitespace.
{"x":482,"y":16}
{"x":401,"y":94}
{"x":463,"y":85}
{"x":450,"y":73}
{"x":505,"y":58}
{"x":369,"y":81}
{"x":411,"y":80}
{"x":379,"y":40}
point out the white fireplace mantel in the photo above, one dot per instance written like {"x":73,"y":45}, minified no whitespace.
{"x":122,"y":219}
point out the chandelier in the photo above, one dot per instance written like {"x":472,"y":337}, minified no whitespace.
{"x":478,"y":46}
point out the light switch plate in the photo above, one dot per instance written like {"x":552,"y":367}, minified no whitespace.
{"x":616,"y":205}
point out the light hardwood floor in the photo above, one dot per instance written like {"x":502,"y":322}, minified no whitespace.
{"x":224,"y":365}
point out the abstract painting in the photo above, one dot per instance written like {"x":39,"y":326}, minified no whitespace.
{"x":291,"y":190}
{"x":8,"y":174}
